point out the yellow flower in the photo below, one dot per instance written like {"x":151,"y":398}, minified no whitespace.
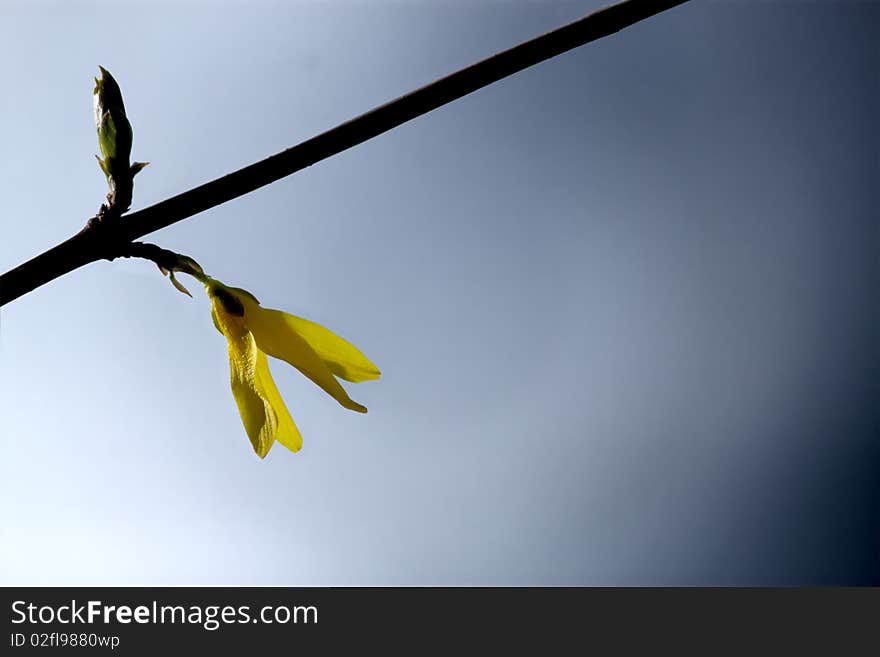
{"x":253,"y":332}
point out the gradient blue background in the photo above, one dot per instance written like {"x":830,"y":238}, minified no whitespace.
{"x":625,"y":302}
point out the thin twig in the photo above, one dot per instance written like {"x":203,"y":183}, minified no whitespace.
{"x":164,"y":259}
{"x":94,"y":243}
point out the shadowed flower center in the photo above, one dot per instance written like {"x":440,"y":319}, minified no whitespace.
{"x":229,"y":301}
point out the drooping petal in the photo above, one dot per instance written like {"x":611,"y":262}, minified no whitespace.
{"x":279,"y":339}
{"x":257,"y":415}
{"x":286,"y":433}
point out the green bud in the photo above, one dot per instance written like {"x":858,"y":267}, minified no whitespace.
{"x":114,"y":140}
{"x":114,"y":130}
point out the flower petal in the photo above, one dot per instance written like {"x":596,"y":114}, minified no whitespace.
{"x":342,"y":358}
{"x":259,"y":419}
{"x":279,"y":339}
{"x":287,"y":433}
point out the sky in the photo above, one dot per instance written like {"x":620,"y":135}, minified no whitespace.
{"x":624,"y":302}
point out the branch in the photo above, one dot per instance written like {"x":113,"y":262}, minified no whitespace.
{"x":97,"y":241}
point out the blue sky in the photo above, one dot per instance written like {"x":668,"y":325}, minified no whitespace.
{"x":623,"y":302}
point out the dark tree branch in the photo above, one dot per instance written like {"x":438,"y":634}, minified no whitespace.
{"x":102,"y":240}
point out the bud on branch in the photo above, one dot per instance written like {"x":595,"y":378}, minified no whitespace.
{"x":114,"y":142}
